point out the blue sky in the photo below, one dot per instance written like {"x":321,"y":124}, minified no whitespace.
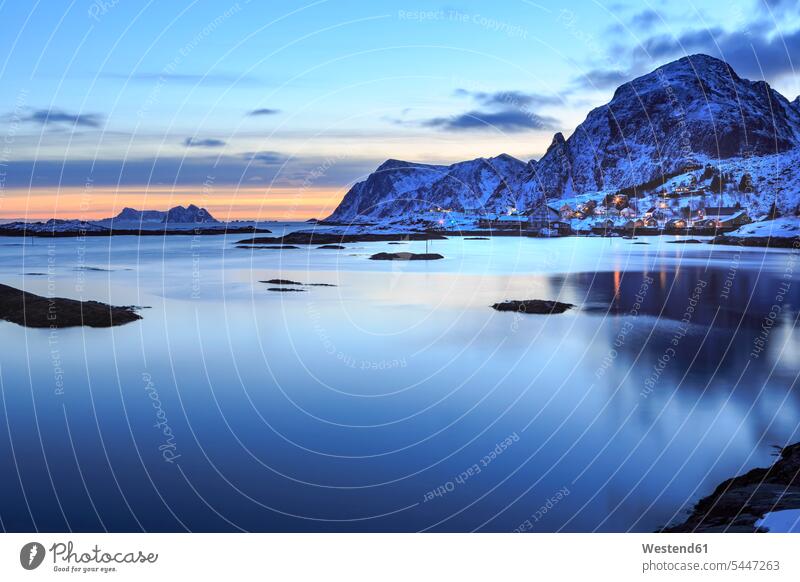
{"x":312,"y":95}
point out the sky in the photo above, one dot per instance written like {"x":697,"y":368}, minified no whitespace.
{"x":272,"y":110}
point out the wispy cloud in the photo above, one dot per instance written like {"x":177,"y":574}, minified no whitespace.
{"x":210,"y":79}
{"x":193,"y":142}
{"x":515,"y":99}
{"x":269,"y":168}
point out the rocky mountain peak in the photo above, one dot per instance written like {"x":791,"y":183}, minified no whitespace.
{"x":687,"y":113}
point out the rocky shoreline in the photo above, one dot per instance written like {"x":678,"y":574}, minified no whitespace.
{"x":30,"y":310}
{"x":327,"y":238}
{"x":775,"y":242}
{"x":737,"y":504}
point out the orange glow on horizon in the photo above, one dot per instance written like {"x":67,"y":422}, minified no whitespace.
{"x":243,"y":203}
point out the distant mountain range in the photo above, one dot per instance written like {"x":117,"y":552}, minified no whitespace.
{"x":682,"y":116}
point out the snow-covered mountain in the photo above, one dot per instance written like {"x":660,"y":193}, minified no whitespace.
{"x":686,"y":113}
{"x":178,"y":215}
{"x":398,"y":189}
{"x":678,"y":118}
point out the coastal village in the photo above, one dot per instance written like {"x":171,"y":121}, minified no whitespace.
{"x":700,"y":203}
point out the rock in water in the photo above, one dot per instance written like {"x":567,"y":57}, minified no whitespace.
{"x":539,"y":306}
{"x":308,"y":237}
{"x":406,"y":257}
{"x":280,"y":282}
{"x":31,"y":310}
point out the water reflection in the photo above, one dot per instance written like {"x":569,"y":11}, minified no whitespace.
{"x":342,"y":409}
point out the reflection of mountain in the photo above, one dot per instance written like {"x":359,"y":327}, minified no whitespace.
{"x":728,"y":298}
{"x":705,"y":322}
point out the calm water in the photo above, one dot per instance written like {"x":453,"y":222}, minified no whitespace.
{"x":342,"y":408}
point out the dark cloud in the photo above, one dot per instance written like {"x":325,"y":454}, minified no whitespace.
{"x":645,"y":20}
{"x":689,"y":41}
{"x":602,"y":79}
{"x":263,"y":111}
{"x":193,"y":142}
{"x":756,"y":48}
{"x":48,"y":116}
{"x":267,"y":158}
{"x":512,"y":120}
{"x":509,"y":111}
{"x":776,"y":5}
{"x":751,"y":53}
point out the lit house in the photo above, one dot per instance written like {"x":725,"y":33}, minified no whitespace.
{"x":724,"y":216}
{"x":504,"y":222}
{"x":677,"y":223}
{"x":541,"y":216}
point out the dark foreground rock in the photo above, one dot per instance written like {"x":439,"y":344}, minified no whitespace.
{"x":688,"y":241}
{"x":477,"y":238}
{"x":406,"y":257}
{"x":31,"y":310}
{"x":333,"y":247}
{"x":737,"y":504}
{"x":538,"y":306}
{"x":776,"y":242}
{"x":327,"y":238}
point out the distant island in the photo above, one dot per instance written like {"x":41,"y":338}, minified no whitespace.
{"x":178,"y":220}
{"x":190,"y":214}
